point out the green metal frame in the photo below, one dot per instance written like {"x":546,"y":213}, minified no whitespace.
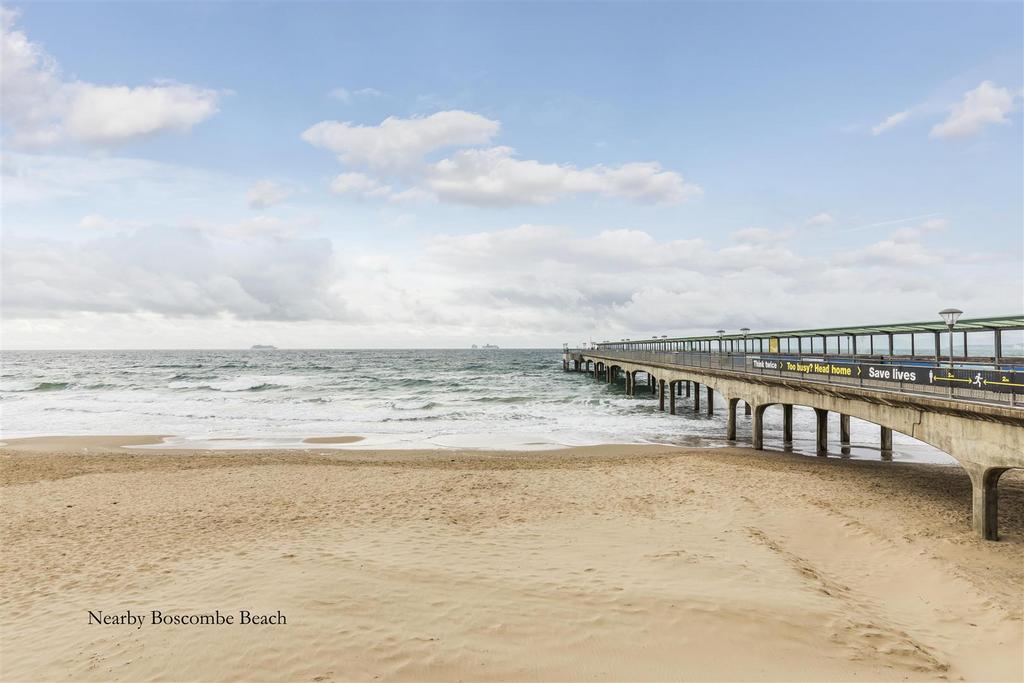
{"x":1006,"y":322}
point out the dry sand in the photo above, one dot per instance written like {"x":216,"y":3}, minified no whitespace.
{"x":607,"y":563}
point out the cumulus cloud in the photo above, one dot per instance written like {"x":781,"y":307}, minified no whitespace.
{"x":984,"y":105}
{"x":398,"y":144}
{"x":818,"y":220}
{"x":482,"y":176}
{"x":40,"y":107}
{"x":266,"y":193}
{"x":890,"y":122}
{"x":495,"y":177}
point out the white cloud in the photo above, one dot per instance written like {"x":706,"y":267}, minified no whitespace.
{"x":890,"y":122}
{"x":914,"y":234}
{"x":359,"y":185}
{"x":94,"y":222}
{"x":533,"y":284}
{"x":760,"y":236}
{"x":113,"y":114}
{"x":173,"y":272}
{"x":260,"y":226}
{"x":395,"y":152}
{"x":399,"y":144}
{"x":495,"y":177}
{"x":40,"y":108}
{"x":266,"y":193}
{"x":819,"y":220}
{"x":983,"y":105}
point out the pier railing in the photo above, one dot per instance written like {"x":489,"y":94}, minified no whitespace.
{"x":982,"y":383}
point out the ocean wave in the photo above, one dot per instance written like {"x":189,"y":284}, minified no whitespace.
{"x":425,"y":405}
{"x":231,"y":386}
{"x":186,"y":376}
{"x":247,"y":385}
{"x":29,"y":385}
{"x":504,"y":399}
{"x":417,"y":382}
{"x":419,"y":418}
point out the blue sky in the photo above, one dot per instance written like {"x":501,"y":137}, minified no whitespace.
{"x":734,"y":155}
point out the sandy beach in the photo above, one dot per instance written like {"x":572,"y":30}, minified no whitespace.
{"x":599,"y":563}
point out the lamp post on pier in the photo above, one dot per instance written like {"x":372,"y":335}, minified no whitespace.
{"x":720,"y":333}
{"x":950,"y":316}
{"x":744,"y":330}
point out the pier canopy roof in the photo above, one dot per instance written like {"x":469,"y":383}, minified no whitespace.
{"x":1000,"y":323}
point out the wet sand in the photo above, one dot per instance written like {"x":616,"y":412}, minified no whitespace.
{"x":598,"y":563}
{"x":332,"y":439}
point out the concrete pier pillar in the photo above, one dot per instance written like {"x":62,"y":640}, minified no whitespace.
{"x":661,"y":395}
{"x":758,"y":428}
{"x":629,"y":383}
{"x":844,"y":433}
{"x":696,"y":397}
{"x":886,"y":442}
{"x":652,"y":383}
{"x":711,"y":401}
{"x":985,"y":500}
{"x":787,"y":424}
{"x":673,"y":388}
{"x":821,"y":433}
{"x":687,"y":388}
{"x":730,"y":425}
{"x":679,"y":388}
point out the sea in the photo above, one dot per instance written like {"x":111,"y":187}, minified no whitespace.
{"x":518,"y":399}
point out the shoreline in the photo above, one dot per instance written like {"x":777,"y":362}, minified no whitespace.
{"x":378,"y":443}
{"x":611,"y":562}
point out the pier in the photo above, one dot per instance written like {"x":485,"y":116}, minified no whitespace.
{"x":965,"y":398}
